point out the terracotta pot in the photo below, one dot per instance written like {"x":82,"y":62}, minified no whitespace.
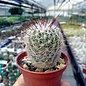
{"x":84,"y":70}
{"x":52,"y":78}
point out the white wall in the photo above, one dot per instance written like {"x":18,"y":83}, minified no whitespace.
{"x":56,"y":13}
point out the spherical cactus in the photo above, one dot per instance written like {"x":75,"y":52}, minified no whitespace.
{"x":5,"y":56}
{"x":11,"y":56}
{"x":43,"y":44}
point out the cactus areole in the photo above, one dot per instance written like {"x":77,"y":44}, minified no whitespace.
{"x":43,"y":45}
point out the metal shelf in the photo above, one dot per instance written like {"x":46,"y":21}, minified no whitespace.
{"x":75,"y":67}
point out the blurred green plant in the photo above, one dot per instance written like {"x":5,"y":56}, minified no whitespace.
{"x":78,"y":18}
{"x":63,"y":18}
{"x":10,"y":20}
{"x":71,"y":29}
{"x":16,"y":11}
{"x":4,"y":21}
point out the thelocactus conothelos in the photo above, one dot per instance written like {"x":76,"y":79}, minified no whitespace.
{"x":43,"y":44}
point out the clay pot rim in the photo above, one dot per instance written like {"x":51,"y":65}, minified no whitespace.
{"x":42,"y":73}
{"x":84,"y":70}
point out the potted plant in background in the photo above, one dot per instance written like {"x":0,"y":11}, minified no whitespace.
{"x":43,"y":62}
{"x":16,"y":11}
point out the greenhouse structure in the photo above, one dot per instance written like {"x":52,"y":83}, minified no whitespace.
{"x":39,"y":39}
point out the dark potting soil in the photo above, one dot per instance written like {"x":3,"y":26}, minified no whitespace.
{"x":26,"y":64}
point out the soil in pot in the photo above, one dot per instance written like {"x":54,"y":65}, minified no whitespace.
{"x":26,"y":64}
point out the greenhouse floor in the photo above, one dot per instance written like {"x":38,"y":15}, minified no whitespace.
{"x":68,"y":73}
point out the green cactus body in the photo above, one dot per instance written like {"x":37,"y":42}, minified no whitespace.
{"x":11,"y":56}
{"x":5,"y":55}
{"x":43,"y":46}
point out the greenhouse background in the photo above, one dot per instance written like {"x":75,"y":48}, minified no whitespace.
{"x":14,"y":21}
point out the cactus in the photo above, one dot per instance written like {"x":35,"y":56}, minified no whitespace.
{"x":11,"y":56}
{"x":43,"y":45}
{"x":5,"y":55}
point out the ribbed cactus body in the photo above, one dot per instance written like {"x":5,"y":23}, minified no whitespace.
{"x":43,"y":46}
